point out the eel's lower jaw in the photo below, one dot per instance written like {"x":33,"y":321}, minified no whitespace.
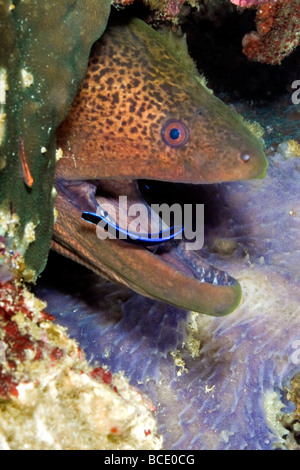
{"x":169,"y":273}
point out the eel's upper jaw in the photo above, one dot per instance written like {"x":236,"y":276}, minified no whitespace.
{"x":174,"y":275}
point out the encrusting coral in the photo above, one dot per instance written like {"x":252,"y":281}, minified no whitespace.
{"x":278,"y":30}
{"x":250,"y":3}
{"x":51,"y":398}
{"x":44,"y":50}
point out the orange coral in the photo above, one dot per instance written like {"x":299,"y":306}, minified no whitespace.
{"x":250,"y":3}
{"x":278,"y":31}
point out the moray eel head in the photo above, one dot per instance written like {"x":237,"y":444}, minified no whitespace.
{"x":143,"y":112}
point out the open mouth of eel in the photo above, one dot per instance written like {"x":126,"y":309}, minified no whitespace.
{"x":139,"y":248}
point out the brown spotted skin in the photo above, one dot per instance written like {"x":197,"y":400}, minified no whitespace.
{"x":133,"y":85}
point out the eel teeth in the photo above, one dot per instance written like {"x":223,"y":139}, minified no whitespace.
{"x":203,"y":270}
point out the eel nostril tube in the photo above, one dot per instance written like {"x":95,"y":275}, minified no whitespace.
{"x":245,"y":157}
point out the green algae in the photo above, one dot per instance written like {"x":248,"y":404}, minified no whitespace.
{"x":44,"y":50}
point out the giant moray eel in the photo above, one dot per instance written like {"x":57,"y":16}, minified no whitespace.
{"x":117,"y":133}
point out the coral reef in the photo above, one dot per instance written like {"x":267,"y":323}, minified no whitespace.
{"x":217,"y":383}
{"x":50,"y":398}
{"x":277,"y":22}
{"x":278,"y":30}
{"x":43,"y":54}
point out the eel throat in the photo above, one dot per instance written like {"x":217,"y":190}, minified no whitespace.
{"x":143,"y":113}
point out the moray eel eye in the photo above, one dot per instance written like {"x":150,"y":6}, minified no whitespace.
{"x":175,"y":133}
